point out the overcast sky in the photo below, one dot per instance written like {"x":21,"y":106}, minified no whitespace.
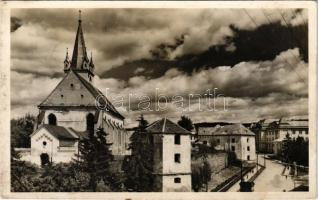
{"x":256,"y":58}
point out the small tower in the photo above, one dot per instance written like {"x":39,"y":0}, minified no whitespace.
{"x":67,"y":62}
{"x":172,"y":156}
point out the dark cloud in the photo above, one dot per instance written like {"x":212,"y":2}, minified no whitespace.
{"x":261,"y":44}
{"x":15,"y":23}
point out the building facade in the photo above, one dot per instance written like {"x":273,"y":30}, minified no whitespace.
{"x":275,"y":131}
{"x":73,"y":109}
{"x":172,"y":156}
{"x":235,"y":138}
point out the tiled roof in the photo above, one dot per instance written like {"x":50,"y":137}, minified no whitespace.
{"x":60,"y":132}
{"x":97,"y":93}
{"x":294,"y":123}
{"x":234,"y":129}
{"x":166,"y":126}
{"x":81,"y":134}
{"x":75,"y":91}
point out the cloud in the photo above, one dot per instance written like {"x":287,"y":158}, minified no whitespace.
{"x":119,"y":35}
{"x":268,"y":84}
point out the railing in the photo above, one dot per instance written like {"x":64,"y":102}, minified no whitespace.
{"x":223,"y":187}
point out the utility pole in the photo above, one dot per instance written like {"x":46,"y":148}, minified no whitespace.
{"x":256,"y":161}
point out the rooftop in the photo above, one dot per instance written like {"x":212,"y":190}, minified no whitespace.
{"x":164,"y":125}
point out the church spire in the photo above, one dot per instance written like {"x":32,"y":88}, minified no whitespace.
{"x":80,"y":62}
{"x":79,"y":57}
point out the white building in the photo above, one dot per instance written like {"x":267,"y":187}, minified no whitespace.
{"x":236,"y":138}
{"x":172,"y":156}
{"x":273,"y":133}
{"x":69,"y":112}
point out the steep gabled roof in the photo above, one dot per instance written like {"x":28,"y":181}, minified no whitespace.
{"x":166,"y":126}
{"x":74,"y":91}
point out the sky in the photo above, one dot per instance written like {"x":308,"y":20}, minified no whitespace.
{"x":256,"y":58}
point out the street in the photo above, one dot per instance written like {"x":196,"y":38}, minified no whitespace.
{"x":270,"y":180}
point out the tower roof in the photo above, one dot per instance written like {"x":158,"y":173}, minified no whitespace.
{"x":166,"y":126}
{"x":79,"y":58}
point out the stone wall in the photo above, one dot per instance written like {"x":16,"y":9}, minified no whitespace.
{"x":217,"y":161}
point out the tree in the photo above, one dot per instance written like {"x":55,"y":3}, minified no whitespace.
{"x":186,"y":123}
{"x":21,"y":129}
{"x":200,"y":174}
{"x":139,"y":166}
{"x":94,"y":158}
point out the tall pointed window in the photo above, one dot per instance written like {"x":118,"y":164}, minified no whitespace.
{"x":52,"y":119}
{"x":90,"y":122}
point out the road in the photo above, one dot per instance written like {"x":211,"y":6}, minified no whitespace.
{"x":270,"y":180}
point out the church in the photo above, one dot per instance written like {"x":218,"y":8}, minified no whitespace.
{"x":70,"y":111}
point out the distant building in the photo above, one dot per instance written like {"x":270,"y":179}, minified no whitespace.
{"x":69,"y":112}
{"x":275,"y":131}
{"x":205,"y":130}
{"x":172,"y":156}
{"x":235,"y":138}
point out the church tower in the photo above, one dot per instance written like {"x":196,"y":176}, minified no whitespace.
{"x":74,"y":109}
{"x":80,"y":62}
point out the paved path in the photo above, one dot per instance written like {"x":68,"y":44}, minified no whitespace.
{"x":272,"y":180}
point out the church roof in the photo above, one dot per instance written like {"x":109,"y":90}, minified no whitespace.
{"x":59,"y":132}
{"x":75,"y":91}
{"x":166,"y":126}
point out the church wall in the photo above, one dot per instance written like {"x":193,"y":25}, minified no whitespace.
{"x":116,"y":133}
{"x":55,"y":153}
{"x":75,"y":119}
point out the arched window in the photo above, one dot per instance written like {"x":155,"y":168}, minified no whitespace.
{"x":90,"y":122}
{"x":52,"y":119}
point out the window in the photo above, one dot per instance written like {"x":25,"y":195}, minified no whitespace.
{"x":177,"y":180}
{"x":90,"y":122}
{"x":248,"y":157}
{"x":248,"y":148}
{"x":205,"y":142}
{"x":72,"y":85}
{"x":44,"y":143}
{"x":233,"y":148}
{"x":233,"y":140}
{"x":52,"y":119}
{"x":218,"y":141}
{"x":82,"y":96}
{"x":177,"y":139}
{"x":62,"y":95}
{"x":177,"y":158}
{"x":247,"y":139}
